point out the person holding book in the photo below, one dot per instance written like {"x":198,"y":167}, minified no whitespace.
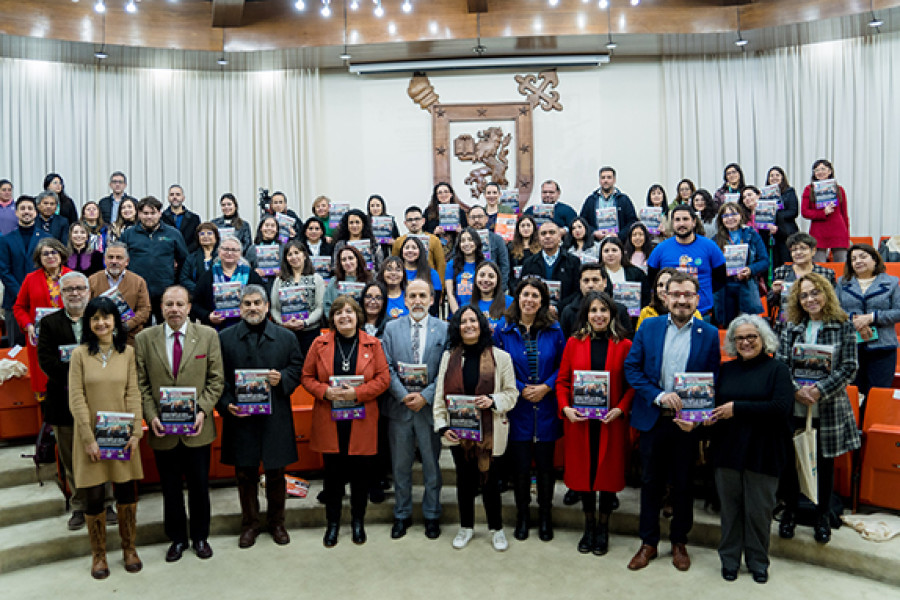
{"x":658,"y":304}
{"x":414,"y":221}
{"x":471,"y":366}
{"x":268,"y":356}
{"x":639,"y":245}
{"x":460,"y":275}
{"x":552,"y":264}
{"x":200,"y":260}
{"x":279,"y":206}
{"x":356,"y":230}
{"x":443,"y":194}
{"x":818,"y":325}
{"x":526,"y":243}
{"x":349,"y":267}
{"x":592,"y":277}
{"x":825,"y":204}
{"x":492,"y":193}
{"x":313,"y":233}
{"x":376,"y":207}
{"x":608,"y":196}
{"x":129,"y":285}
{"x":684,"y":191}
{"x":297,"y":273}
{"x":872,"y":299}
{"x":656,"y":198}
{"x":595,"y":441}
{"x":703,"y":205}
{"x":97,"y":228}
{"x":732,"y":185}
{"x":211,"y":300}
{"x":563,"y":214}
{"x":580,"y":242}
{"x":620,"y":271}
{"x":267,"y":234}
{"x":103,"y":383}
{"x":535,"y":342}
{"x":488,"y":295}
{"x":181,"y":354}
{"x":82,"y":257}
{"x":231,"y":219}
{"x":802,"y":247}
{"x":415,"y":261}
{"x":749,"y":204}
{"x":663,"y":346}
{"x":740,"y":294}
{"x":346,"y":368}
{"x":786,"y":217}
{"x":750,"y":443}
{"x":392,"y":275}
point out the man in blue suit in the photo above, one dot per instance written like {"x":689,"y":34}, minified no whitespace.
{"x":16,"y":251}
{"x":663,"y":346}
{"x":413,"y":345}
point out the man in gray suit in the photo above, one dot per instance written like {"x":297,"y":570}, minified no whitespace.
{"x":413,"y":345}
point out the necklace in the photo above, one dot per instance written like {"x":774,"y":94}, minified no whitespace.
{"x":345,"y":360}
{"x":104,"y":356}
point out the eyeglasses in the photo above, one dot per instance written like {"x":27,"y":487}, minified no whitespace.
{"x":121,"y":181}
{"x":729,"y":215}
{"x":368,"y":298}
{"x":74,"y":289}
{"x":414,"y":219}
{"x":229,"y":250}
{"x":685,"y":295}
{"x":810,"y":294}
{"x":740,"y":339}
{"x":49,"y":253}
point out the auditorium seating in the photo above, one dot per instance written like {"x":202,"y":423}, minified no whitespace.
{"x":20,"y":414}
{"x":861,"y":239}
{"x":880,"y":467}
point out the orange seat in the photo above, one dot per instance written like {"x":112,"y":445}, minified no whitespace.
{"x":20,"y":413}
{"x":843,"y":464}
{"x":861,"y":239}
{"x":879,"y":474}
{"x":837,"y":267}
{"x":892,"y":268}
{"x":882,"y":408}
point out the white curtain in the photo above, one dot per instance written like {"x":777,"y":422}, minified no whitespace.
{"x":788,"y":107}
{"x":211,"y":132}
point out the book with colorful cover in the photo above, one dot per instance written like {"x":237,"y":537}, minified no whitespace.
{"x":344,"y":410}
{"x":629,"y":294}
{"x":736,"y":198}
{"x":225,"y":232}
{"x":698,"y":396}
{"x":589,"y":256}
{"x":285,"y":222}
{"x":112,"y":430}
{"x":296,"y":486}
{"x":322,"y":266}
{"x":298,"y":299}
{"x":40,"y":313}
{"x":65,"y":352}
{"x":354,"y":289}
{"x":336,"y":212}
{"x":542,"y":213}
{"x":735,"y":258}
{"x":227,"y":298}
{"x":465,"y":417}
{"x":772,"y":193}
{"x":252,"y":393}
{"x":811,"y":362}
{"x":509,"y":202}
{"x":125,"y":312}
{"x":651,"y":217}
{"x":424,"y":238}
{"x":607,"y":220}
{"x":505,"y":226}
{"x":414,"y":377}
{"x":555,"y":289}
{"x":785,"y":296}
{"x":365,"y":248}
{"x":449,"y":216}
{"x":268,"y":259}
{"x":383,"y":229}
{"x":826,"y":193}
{"x":590,"y":393}
{"x":485,"y":236}
{"x":517,"y":271}
{"x":765,"y":214}
{"x":178,"y":409}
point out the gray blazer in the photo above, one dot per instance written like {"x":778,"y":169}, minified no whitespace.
{"x":397,"y":349}
{"x":881,"y":299}
{"x":500,"y":255}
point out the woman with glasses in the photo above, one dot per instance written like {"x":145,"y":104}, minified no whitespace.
{"x":802,"y":247}
{"x":229,"y":267}
{"x":733,"y":183}
{"x":393,"y":276}
{"x":741,"y":292}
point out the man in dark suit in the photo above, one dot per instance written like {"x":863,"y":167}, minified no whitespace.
{"x":664,"y":346}
{"x":417,"y":339}
{"x":16,"y":249}
{"x":553,"y":264}
{"x":179,"y":217}
{"x":179,"y":353}
{"x":109,"y":205}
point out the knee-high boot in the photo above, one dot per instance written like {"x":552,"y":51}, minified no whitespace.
{"x":128,"y":533}
{"x":545,"y":482}
{"x":96,"y":526}
{"x":601,"y":537}
{"x":275,"y":499}
{"x":522,"y":493}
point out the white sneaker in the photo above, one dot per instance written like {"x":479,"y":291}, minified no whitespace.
{"x":463,"y":536}
{"x":498,"y":541}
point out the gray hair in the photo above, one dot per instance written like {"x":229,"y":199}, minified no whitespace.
{"x":46,"y":194}
{"x":769,"y":339}
{"x":254,"y":289}
{"x":74,"y":275}
{"x":231,"y":238}
{"x":117,"y":244}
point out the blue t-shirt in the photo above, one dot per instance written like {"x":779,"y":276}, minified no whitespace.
{"x":435,"y":278}
{"x":464,"y":284}
{"x":698,"y":258}
{"x":396,"y":307}
{"x":485,"y":305}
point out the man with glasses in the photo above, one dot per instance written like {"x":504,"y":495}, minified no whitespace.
{"x":691,"y":254}
{"x":130,"y":285}
{"x":498,"y":253}
{"x":109,"y":206}
{"x":663,"y":346}
{"x":61,"y":331}
{"x":415,"y":221}
{"x":563,"y":214}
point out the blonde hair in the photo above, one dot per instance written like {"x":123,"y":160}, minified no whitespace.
{"x":831,"y":311}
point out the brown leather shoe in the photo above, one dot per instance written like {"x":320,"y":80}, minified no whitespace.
{"x":280,"y":535}
{"x":680,"y":557}
{"x":248,"y":537}
{"x":644,"y":555}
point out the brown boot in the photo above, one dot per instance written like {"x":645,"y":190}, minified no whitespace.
{"x":96,"y":526}
{"x":248,"y":494}
{"x":128,"y":533}
{"x":275,"y":500}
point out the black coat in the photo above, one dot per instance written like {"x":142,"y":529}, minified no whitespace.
{"x":565,"y":270}
{"x":188,"y":229}
{"x":204,"y":300}
{"x":270,"y":439}
{"x":56,"y":331}
{"x":106,"y":204}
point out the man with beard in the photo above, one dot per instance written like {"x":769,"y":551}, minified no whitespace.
{"x":248,"y":440}
{"x":609,"y":196}
{"x":692,"y":254}
{"x":131,"y":286}
{"x":417,"y":339}
{"x":179,"y":217}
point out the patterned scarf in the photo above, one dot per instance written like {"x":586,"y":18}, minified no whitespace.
{"x":53,"y":288}
{"x":453,"y":384}
{"x":241,"y":272}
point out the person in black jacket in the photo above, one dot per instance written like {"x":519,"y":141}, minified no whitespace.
{"x":608,"y":195}
{"x":47,"y":219}
{"x":553,"y":264}
{"x":109,"y":205}
{"x":786,"y":217}
{"x":179,"y":217}
{"x":54,"y":182}
{"x":592,"y":277}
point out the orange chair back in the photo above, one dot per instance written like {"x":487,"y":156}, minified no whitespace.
{"x":882,"y":408}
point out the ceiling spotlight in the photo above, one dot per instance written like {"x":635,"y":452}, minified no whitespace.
{"x":611,"y":45}
{"x":100,"y":7}
{"x":875,"y":22}
{"x":603,"y":4}
{"x":635,"y":2}
{"x":101,"y":54}
{"x":379,"y":10}
{"x":407,"y":7}
{"x":344,"y":55}
{"x":326,"y":8}
{"x":131,"y":6}
{"x":553,"y":2}
{"x":300,"y":5}
{"x":354,"y":5}
{"x":222,"y":61}
{"x":740,"y":42}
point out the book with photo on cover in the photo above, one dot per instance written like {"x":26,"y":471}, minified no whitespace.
{"x":252,"y":393}
{"x":285,"y":222}
{"x":735,"y":258}
{"x":298,"y":299}
{"x":40,"y":313}
{"x":542,"y":213}
{"x":509,"y":202}
{"x":811,"y":362}
{"x":629,"y":294}
{"x":383,"y":229}
{"x":590,"y":393}
{"x":651,"y":217}
{"x":505,"y":226}
{"x":336,"y":212}
{"x":178,"y":409}
{"x":424,"y":238}
{"x":414,"y":377}
{"x":227,"y":298}
{"x":125,"y":312}
{"x":225,"y":232}
{"x":735,"y":198}
{"x":698,"y":396}
{"x":112,"y":432}
{"x":485,"y":236}
{"x":773,"y":193}
{"x":555,"y":289}
{"x":268,"y":259}
{"x":365,"y":248}
{"x":465,"y":417}
{"x":354,"y":289}
{"x":65,"y":352}
{"x":449,"y":216}
{"x":826,"y":192}
{"x":765,"y":214}
{"x":343,"y":410}
{"x":607,"y":221}
{"x":322,"y":266}
{"x":296,"y":486}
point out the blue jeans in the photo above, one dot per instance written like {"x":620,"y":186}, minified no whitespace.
{"x":404,"y":436}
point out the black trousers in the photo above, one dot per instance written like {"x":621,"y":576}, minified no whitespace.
{"x":340,"y":467}
{"x":156,"y":310}
{"x":125,"y":493}
{"x":668,"y":455}
{"x":183,"y":464}
{"x":467,"y":479}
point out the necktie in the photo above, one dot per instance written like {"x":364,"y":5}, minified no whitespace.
{"x":415,"y":342}
{"x":176,"y":354}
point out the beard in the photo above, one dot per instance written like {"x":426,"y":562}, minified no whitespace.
{"x":254,"y":319}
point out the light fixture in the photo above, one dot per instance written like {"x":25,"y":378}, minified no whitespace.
{"x":131,"y":7}
{"x":610,"y":44}
{"x":379,"y":10}
{"x":345,"y":55}
{"x":354,"y":5}
{"x":635,"y":2}
{"x":875,"y":23}
{"x":101,"y":54}
{"x":453,"y":64}
{"x":603,"y":4}
{"x":300,"y":5}
{"x":740,"y":42}
{"x":326,"y":8}
{"x":407,"y":7}
{"x":222,"y":61}
{"x":100,"y":7}
{"x":553,"y":2}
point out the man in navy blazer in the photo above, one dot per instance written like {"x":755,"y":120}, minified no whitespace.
{"x":16,"y":252}
{"x":409,"y":406}
{"x":663,"y":346}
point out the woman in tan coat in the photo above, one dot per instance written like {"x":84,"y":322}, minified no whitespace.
{"x":103,"y":379}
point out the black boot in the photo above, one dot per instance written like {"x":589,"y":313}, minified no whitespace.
{"x":601,"y":537}
{"x":330,"y":539}
{"x":523,"y":500}
{"x":822,"y":530}
{"x":788,"y":524}
{"x":358,"y":531}
{"x":546,"y":481}
{"x":586,"y":543}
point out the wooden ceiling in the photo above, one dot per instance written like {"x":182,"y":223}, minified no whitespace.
{"x":257,"y":25}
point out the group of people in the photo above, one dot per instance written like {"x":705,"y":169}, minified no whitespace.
{"x":351,"y":310}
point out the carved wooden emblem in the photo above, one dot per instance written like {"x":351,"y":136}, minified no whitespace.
{"x":537,"y":92}
{"x":491,"y":151}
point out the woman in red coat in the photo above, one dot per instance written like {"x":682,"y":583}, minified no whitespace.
{"x":829,"y":225}
{"x":345,"y":413}
{"x":40,"y":289}
{"x":595,"y":447}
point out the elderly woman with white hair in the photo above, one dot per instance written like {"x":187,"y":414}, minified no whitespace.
{"x":754,"y":397}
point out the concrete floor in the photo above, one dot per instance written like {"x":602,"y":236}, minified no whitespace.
{"x":416,"y":567}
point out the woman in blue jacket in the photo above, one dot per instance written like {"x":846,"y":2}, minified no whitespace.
{"x":741,"y":292}
{"x":535,"y":341}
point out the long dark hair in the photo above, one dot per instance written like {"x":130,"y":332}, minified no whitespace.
{"x":287,"y":271}
{"x":665,"y":202}
{"x":498,"y":304}
{"x":709,"y":210}
{"x":361,"y":273}
{"x":423,"y":270}
{"x":458,"y":258}
{"x":723,"y":238}
{"x":821,"y":161}
{"x":305,"y":227}
{"x":648,"y":246}
{"x":615,"y":241}
{"x":583,"y":327}
{"x":454,"y":337}
{"x":236,"y":221}
{"x":543,"y":319}
{"x":384,"y":301}
{"x":740,"y":171}
{"x":259,"y":238}
{"x":379,"y":199}
{"x":94,"y":229}
{"x":432,"y":211}
{"x":784,"y":185}
{"x":62,"y":196}
{"x":517,"y":246}
{"x":393,"y":260}
{"x":343,"y":231}
{"x":570,"y":242}
{"x":104,"y":307}
{"x":656,"y":303}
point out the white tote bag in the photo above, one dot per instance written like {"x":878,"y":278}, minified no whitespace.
{"x":805,"y":450}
